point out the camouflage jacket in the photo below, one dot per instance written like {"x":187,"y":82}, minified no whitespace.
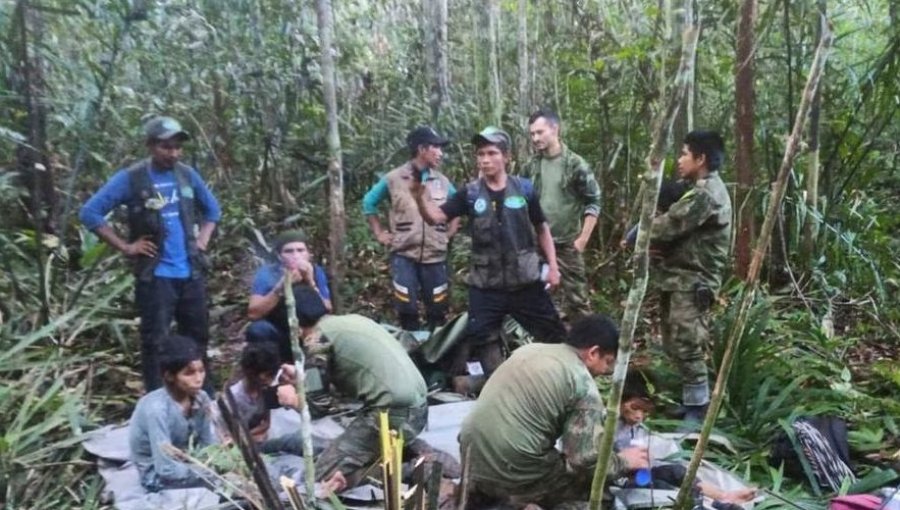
{"x":580,"y":195}
{"x":698,"y":227}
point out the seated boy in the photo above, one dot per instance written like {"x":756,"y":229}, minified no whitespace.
{"x":635,"y":408}
{"x":175,"y":415}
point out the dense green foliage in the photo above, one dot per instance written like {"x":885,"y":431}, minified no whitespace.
{"x":243,"y":76}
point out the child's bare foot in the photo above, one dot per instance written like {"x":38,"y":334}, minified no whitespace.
{"x":334,"y":484}
{"x":738,"y":496}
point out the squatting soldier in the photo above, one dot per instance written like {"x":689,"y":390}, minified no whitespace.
{"x":508,"y":230}
{"x":688,"y":273}
{"x":165,"y":200}
{"x":541,"y":394}
{"x":570,"y":197}
{"x":364,"y":362}
{"x":418,"y":250}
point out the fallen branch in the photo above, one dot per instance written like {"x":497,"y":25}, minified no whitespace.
{"x":652,"y":181}
{"x":759,"y":255}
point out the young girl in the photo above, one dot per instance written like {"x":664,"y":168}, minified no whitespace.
{"x":178,"y":414}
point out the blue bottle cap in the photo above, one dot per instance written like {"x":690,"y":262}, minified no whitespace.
{"x":642,"y":477}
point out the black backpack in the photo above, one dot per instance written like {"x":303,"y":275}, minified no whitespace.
{"x":817,"y":448}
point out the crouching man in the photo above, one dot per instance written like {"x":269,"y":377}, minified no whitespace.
{"x":542,"y":393}
{"x":363,"y":362}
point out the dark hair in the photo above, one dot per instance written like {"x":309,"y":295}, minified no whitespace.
{"x":595,"y":330}
{"x":177,"y":352}
{"x":708,"y":143}
{"x":259,"y":358}
{"x":545,"y":113}
{"x":309,"y":306}
{"x":637,"y":385}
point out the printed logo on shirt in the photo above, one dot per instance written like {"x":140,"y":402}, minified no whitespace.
{"x":516,"y":202}
{"x":480,"y":205}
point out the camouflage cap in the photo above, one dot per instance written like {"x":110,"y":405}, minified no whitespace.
{"x":492,"y":135}
{"x":165,"y":128}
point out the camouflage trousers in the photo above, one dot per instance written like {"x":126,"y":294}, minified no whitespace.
{"x":559,"y":489}
{"x":572,"y":297}
{"x":685,"y":333}
{"x":356,"y":450}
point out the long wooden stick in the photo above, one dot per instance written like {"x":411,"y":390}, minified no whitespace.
{"x":652,"y":180}
{"x":300,"y":382}
{"x":759,"y":255}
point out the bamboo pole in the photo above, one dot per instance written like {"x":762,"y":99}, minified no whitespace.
{"x":300,"y":382}
{"x":652,"y":180}
{"x":759,"y":255}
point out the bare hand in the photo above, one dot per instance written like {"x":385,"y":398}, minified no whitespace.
{"x":553,"y":279}
{"x":143,"y":246}
{"x":335,"y":483}
{"x":635,"y":457}
{"x":288,"y":374}
{"x":202,"y":243}
{"x":580,"y":244}
{"x":385,"y":237}
{"x":287,"y":396}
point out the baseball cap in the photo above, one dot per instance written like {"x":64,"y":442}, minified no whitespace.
{"x":492,"y":135}
{"x":424,"y":135}
{"x":165,"y":128}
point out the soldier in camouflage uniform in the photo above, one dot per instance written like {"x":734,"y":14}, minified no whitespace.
{"x":689,"y":273}
{"x":542,"y":393}
{"x":570,"y":197}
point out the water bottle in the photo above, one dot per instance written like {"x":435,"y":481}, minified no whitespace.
{"x":642,"y":477}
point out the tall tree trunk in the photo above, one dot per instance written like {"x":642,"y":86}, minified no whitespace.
{"x":778,"y":265}
{"x":27,"y":80}
{"x":524,"y":89}
{"x":745,"y":100}
{"x":759,"y":255}
{"x":337,"y":224}
{"x":650,"y":192}
{"x":810,"y":227}
{"x":494,"y":61}
{"x":692,"y":79}
{"x":436,"y":58}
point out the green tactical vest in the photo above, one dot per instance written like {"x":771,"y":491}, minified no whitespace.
{"x":504,"y":248}
{"x":144,"y":221}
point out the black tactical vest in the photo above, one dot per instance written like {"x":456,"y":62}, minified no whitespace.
{"x":504,"y":248}
{"x":144,"y":219}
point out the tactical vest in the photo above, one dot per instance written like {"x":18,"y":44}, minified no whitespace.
{"x":504,"y":247}
{"x":145,"y":220}
{"x":412,"y":236}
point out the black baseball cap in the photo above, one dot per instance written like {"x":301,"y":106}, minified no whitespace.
{"x":424,"y":135}
{"x":165,"y":128}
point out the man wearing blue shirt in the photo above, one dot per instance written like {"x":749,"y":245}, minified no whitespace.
{"x":266,"y":307}
{"x":418,"y":250}
{"x":171,"y":217}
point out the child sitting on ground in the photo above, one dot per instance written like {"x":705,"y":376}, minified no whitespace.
{"x":635,"y":408}
{"x":257,"y":393}
{"x":175,"y":415}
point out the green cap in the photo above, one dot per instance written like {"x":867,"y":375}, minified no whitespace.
{"x":492,"y":135}
{"x":288,"y":237}
{"x":165,"y":128}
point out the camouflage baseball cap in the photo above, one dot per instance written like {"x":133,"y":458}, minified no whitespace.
{"x":165,"y":128}
{"x":492,"y":135}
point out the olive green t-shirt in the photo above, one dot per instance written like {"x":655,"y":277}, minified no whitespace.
{"x":542,"y":393}
{"x":370,"y":365}
{"x":564,"y":213}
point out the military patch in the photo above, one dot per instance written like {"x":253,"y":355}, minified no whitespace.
{"x":187,"y":192}
{"x":480,"y":205}
{"x":515,"y":202}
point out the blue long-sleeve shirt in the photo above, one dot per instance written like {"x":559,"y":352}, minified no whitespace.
{"x":174,"y":261}
{"x":158,"y":420}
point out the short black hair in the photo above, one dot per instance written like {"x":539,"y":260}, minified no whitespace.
{"x":545,"y":113}
{"x":309,"y":306}
{"x":595,"y":330}
{"x":637,"y":385}
{"x":177,"y":352}
{"x":260,"y":358}
{"x":708,"y":143}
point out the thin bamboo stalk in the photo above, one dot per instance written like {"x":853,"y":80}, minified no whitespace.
{"x":652,"y":180}
{"x":759,"y":255}
{"x":300,"y":384}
